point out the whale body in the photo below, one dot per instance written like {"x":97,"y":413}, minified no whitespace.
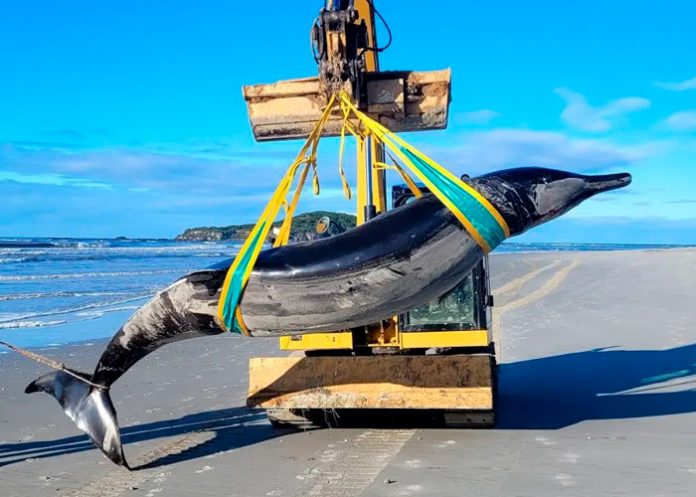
{"x":389,"y":265}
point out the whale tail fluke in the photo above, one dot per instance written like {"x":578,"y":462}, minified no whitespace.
{"x":90,"y":407}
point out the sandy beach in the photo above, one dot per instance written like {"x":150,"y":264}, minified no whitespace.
{"x":596,"y":398}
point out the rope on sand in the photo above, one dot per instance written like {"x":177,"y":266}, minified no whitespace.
{"x":51,"y":363}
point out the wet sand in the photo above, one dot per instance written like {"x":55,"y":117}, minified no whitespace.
{"x":596,"y":398}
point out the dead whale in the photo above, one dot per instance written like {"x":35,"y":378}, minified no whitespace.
{"x":395,"y":262}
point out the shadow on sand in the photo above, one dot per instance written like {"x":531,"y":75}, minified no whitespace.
{"x":545,"y":393}
{"x":230,"y":428}
{"x":553,"y":392}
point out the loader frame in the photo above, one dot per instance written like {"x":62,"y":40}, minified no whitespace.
{"x":435,"y":371}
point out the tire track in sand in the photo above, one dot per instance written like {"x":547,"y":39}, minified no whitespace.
{"x":551,"y":284}
{"x":517,"y":283}
{"x":118,"y":481}
{"x":346,"y":475}
{"x":352,"y":467}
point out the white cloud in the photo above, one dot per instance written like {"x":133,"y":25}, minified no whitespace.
{"x":689,"y":84}
{"x":682,"y":121}
{"x":579,"y":114}
{"x":139,"y":169}
{"x":481,"y":152}
{"x":49,"y":179}
{"x":483,"y":116}
{"x":167,"y":192}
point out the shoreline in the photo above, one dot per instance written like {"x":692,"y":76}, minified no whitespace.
{"x":111,"y":321}
{"x":43,"y":242}
{"x":596,"y":376}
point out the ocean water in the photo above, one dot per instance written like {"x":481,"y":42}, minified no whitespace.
{"x":58,"y":291}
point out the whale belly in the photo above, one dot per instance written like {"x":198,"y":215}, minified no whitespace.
{"x":359,"y":292}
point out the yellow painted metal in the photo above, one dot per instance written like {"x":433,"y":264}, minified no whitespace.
{"x":429,"y":339}
{"x":360,"y":183}
{"x":384,"y":333}
{"x":379,"y":335}
{"x":289,"y":109}
{"x":379,"y":182}
{"x":373,"y":382}
{"x":318,"y":341}
{"x":366,"y":13}
{"x":464,"y":383}
{"x":388,"y":336}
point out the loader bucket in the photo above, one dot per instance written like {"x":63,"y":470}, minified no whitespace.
{"x":400,"y":100}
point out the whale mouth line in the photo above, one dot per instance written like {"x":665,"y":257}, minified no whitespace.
{"x":606,"y":182}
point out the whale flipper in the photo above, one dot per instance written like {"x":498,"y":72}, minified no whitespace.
{"x":89,"y":407}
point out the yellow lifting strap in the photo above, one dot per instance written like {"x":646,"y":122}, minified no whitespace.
{"x":480,"y":219}
{"x":478,"y":216}
{"x":237,"y":276}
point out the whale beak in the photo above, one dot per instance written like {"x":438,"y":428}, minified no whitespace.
{"x":606,"y":182}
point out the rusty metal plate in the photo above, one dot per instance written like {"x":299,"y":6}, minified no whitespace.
{"x":400,"y":100}
{"x":376,"y":382}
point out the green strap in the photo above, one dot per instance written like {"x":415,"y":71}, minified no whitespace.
{"x":481,"y":218}
{"x":237,"y":284}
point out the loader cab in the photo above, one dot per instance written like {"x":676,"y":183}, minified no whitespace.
{"x":464,"y":308}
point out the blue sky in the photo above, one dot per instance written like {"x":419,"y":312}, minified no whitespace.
{"x":126,"y":118}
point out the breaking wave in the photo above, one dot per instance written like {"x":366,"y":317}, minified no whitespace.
{"x":77,"y":310}
{"x":99,"y":274}
{"x":48,"y":286}
{"x":29,"y":324}
{"x":45,"y":295}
